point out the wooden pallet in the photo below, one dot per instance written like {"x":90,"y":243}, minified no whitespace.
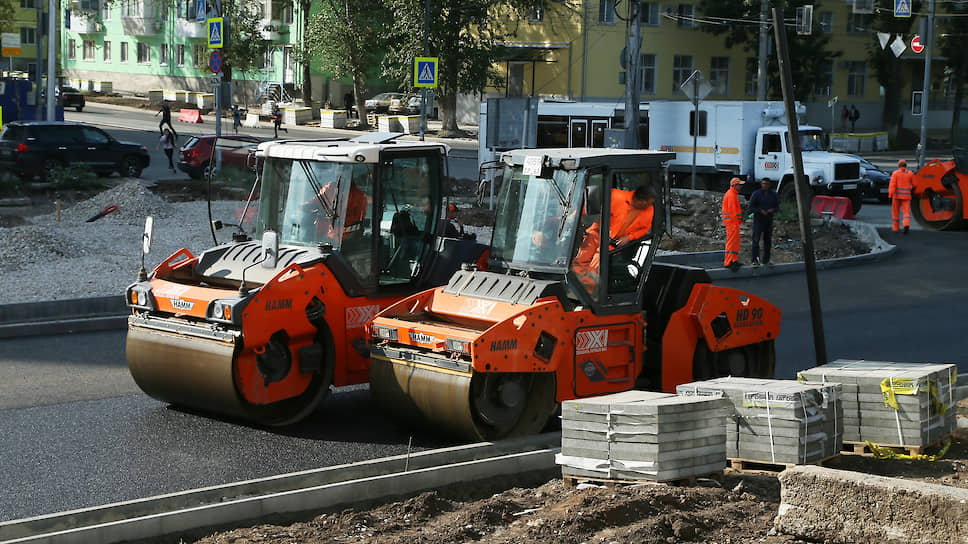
{"x":572,"y":481}
{"x":861,"y":448}
{"x":754,"y":465}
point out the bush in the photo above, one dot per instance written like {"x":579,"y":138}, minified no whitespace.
{"x":74,"y":177}
{"x":787,"y":213}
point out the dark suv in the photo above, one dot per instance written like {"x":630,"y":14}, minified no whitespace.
{"x":36,"y":148}
{"x":70,"y":97}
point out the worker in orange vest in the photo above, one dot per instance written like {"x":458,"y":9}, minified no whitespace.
{"x":902,"y":185}
{"x":732,"y":218}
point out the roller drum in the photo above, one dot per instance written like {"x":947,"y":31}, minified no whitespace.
{"x":184,"y":370}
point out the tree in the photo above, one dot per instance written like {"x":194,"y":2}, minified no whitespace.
{"x":246,"y":46}
{"x":808,"y":54}
{"x":465,"y":35}
{"x":951,"y":42}
{"x":887,"y":67}
{"x":8,"y":16}
{"x":348,"y":37}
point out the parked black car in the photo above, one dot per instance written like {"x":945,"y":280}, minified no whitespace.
{"x":70,"y":98}
{"x":37,"y":148}
{"x":879,"y":180}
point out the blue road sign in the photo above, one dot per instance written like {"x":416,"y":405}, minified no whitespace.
{"x":902,"y":8}
{"x":215,"y":61}
{"x":215,"y":33}
{"x":425,"y":72}
{"x":200,"y":15}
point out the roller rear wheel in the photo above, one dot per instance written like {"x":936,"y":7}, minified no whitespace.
{"x":939,"y":210}
{"x":752,"y":361}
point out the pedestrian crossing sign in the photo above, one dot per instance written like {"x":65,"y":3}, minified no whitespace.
{"x":215,"y":33}
{"x":425,"y":72}
{"x":200,"y":14}
{"x":902,"y":8}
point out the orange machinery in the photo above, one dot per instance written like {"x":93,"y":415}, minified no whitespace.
{"x":493,"y":353}
{"x":260,"y":330}
{"x":940,"y":193}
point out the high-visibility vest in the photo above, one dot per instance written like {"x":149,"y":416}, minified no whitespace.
{"x":732,"y":212}
{"x":902,"y":184}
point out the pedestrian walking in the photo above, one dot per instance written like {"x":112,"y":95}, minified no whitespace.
{"x":165,"y":112}
{"x":167,"y":142}
{"x":277,"y":123}
{"x":236,"y":118}
{"x":899,"y":191}
{"x":763,"y":203}
{"x":732,"y":214}
{"x":854,"y":116}
{"x":348,"y":104}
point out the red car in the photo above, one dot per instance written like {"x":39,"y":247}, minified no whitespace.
{"x":196,"y":155}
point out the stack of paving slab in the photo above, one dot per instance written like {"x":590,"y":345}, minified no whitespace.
{"x":895,"y":404}
{"x":779,"y":422}
{"x":640,"y":435}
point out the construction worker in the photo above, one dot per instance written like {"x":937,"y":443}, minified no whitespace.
{"x":763,"y":203}
{"x":732,"y":215}
{"x":899,"y":191}
{"x":630,"y":219}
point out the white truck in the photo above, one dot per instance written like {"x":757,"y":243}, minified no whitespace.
{"x":748,"y":139}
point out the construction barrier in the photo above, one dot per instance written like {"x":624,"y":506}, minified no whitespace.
{"x":189,"y":116}
{"x":837,"y":206}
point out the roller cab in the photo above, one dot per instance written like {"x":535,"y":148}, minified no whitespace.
{"x":561,"y":312}
{"x":260,"y":330}
{"x":940,"y":193}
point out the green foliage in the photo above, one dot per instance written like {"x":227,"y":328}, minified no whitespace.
{"x":807,"y":53}
{"x":787,"y":213}
{"x":246,"y":47}
{"x":887,"y":68}
{"x":74,"y":177}
{"x":8,"y":15}
{"x":951,"y":42}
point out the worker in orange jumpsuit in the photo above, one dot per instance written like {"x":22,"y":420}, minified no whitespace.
{"x":356,"y":207}
{"x":732,"y":215}
{"x":899,"y":191}
{"x":630,"y":218}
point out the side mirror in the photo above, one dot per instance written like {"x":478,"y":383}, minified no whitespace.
{"x":146,"y":237}
{"x":270,"y":249}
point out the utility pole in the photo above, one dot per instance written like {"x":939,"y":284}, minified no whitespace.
{"x":927,"y":37}
{"x":634,"y":48}
{"x":39,"y":73}
{"x":51,"y":58}
{"x":800,"y":184}
{"x":764,"y":51}
{"x":423,"y":90}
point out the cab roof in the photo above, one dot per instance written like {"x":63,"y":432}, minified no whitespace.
{"x":584,"y":157}
{"x":342,"y":150}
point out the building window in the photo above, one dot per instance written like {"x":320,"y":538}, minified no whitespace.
{"x":856,"y":78}
{"x":28,"y":36}
{"x":107,"y":51}
{"x":827,"y":22}
{"x":87,"y":51}
{"x":71,"y":46}
{"x":106,"y":11}
{"x":163,"y":54}
{"x":606,"y":11}
{"x":687,"y":14}
{"x":858,"y":23}
{"x":180,"y":55}
{"x":681,"y":70}
{"x":197,"y":54}
{"x":719,"y":75}
{"x":124,"y":51}
{"x":649,"y":13}
{"x":131,"y":9}
{"x":752,"y":65}
{"x":825,"y":84}
{"x":28,"y":4}
{"x":537,"y":14}
{"x":267,"y":61}
{"x":647,"y":74}
{"x":144,"y":53}
{"x":89,"y":5}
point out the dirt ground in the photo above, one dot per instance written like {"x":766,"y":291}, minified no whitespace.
{"x":739,"y":509}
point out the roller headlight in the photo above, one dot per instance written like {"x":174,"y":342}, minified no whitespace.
{"x":224,"y":309}
{"x":383,"y":333}
{"x":458,"y":345}
{"x":139,"y":296}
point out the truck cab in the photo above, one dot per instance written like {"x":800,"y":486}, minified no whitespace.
{"x":827,"y":173}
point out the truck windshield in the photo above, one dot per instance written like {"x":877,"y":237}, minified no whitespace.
{"x":536,"y":225}
{"x":811,"y":140}
{"x":307,"y":202}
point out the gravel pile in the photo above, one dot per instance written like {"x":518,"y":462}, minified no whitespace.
{"x":50,"y":260}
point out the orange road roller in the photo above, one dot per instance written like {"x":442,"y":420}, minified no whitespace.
{"x":940,"y":193}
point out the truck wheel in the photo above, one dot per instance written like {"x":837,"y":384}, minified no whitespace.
{"x":788,"y":192}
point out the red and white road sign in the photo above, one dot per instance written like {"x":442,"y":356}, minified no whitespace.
{"x":916,"y":44}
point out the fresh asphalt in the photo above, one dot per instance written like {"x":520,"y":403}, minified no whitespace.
{"x":78,"y":432}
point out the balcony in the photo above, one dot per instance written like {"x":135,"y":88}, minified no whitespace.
{"x":85,"y":25}
{"x":188,"y":28}
{"x":141,"y":26}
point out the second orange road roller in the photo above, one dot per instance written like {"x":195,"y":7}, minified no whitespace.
{"x":941,"y":192}
{"x":571,"y":305}
{"x":260,"y":328}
